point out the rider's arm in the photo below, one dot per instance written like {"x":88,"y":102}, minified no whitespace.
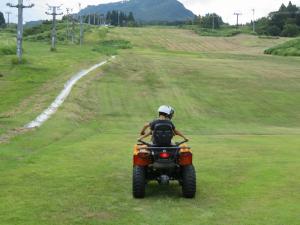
{"x":145,"y":128}
{"x":177,"y":132}
{"x":145,"y":135}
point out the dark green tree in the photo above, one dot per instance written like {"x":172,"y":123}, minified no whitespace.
{"x":297,"y":19}
{"x":117,"y":18}
{"x":282,"y":8}
{"x":290,"y":30}
{"x":108,"y":17}
{"x":122,"y":19}
{"x":262,"y":25}
{"x":2,"y":20}
{"x":273,"y":30}
{"x":114,"y":18}
{"x":211,"y":21}
{"x":292,"y":10}
{"x":284,"y":22}
{"x":131,"y":17}
{"x":279,"y":17}
{"x":197,"y":20}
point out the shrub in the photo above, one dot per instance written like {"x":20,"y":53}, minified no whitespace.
{"x":111,"y":47}
{"x":15,"y":61}
{"x":289,"y":48}
{"x":8,"y":50}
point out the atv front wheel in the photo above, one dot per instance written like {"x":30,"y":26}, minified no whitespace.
{"x":138,"y":182}
{"x":188,"y":181}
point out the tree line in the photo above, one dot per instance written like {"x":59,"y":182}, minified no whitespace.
{"x":210,"y":20}
{"x":119,"y":18}
{"x":115,"y":18}
{"x":284,"y":22}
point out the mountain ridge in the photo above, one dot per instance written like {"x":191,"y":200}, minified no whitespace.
{"x":145,"y":10}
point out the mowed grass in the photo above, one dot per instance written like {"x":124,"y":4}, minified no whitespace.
{"x":239,"y":108}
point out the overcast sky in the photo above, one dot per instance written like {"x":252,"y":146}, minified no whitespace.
{"x":225,"y":8}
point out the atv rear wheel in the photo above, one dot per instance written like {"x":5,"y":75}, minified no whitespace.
{"x":138,"y":181}
{"x":188,"y":181}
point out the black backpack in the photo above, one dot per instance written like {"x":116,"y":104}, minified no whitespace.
{"x":162,"y":134}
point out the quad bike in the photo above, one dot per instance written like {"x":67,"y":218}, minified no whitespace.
{"x":163,"y":163}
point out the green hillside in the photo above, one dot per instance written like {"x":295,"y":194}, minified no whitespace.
{"x":239,"y":107}
{"x":289,"y":48}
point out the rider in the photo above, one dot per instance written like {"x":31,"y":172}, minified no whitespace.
{"x":165,"y":115}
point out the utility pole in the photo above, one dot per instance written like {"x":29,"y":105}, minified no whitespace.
{"x":237,"y":19}
{"x":102,"y":17}
{"x":68,"y":18}
{"x":7,"y":13}
{"x":81,"y":26}
{"x":20,"y":7}
{"x":213,"y":16}
{"x":253,"y":21}
{"x":53,"y":33}
{"x":73,"y":29}
{"x":99,"y":20}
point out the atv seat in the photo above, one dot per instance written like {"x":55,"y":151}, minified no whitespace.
{"x":162,"y":135}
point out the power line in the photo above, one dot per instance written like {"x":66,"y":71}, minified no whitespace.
{"x":20,"y":8}
{"x":53,"y":33}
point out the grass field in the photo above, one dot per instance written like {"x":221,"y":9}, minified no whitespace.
{"x":239,"y":107}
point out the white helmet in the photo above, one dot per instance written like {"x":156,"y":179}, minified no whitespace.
{"x":167,"y":110}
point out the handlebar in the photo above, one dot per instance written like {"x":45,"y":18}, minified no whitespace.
{"x":180,"y":143}
{"x":143,"y":142}
{"x":177,"y":143}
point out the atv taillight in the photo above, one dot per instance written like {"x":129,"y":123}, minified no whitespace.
{"x":141,"y":159}
{"x":185,"y":158}
{"x":143,"y":155}
{"x":164,"y":155}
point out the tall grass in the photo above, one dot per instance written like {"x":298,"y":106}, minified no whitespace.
{"x":7,"y":50}
{"x":111,"y":47}
{"x":289,"y":48}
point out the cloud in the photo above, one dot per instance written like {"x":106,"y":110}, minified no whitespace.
{"x":221,"y":7}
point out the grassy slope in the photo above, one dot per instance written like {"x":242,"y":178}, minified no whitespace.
{"x":289,"y":48}
{"x":27,"y":89}
{"x":76,"y":168}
